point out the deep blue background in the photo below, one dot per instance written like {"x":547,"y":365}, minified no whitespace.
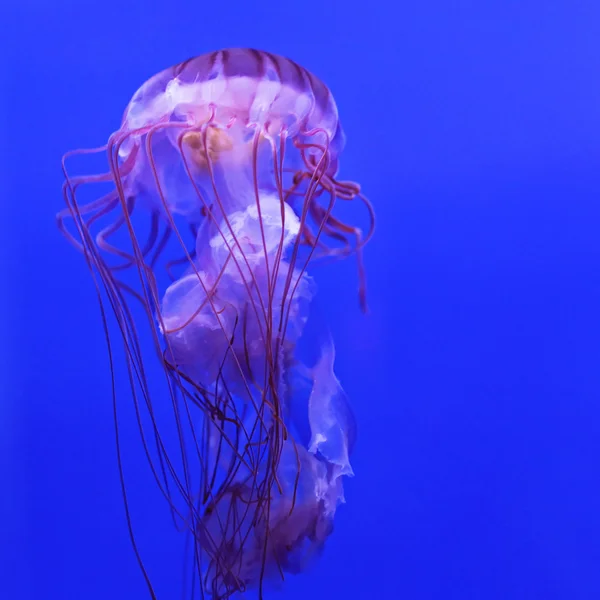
{"x":474,"y":127}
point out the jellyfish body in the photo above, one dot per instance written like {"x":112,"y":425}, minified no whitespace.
{"x":222,"y":190}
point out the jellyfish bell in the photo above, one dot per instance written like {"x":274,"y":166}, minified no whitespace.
{"x":224,"y":190}
{"x":214,"y":108}
{"x":247,"y":87}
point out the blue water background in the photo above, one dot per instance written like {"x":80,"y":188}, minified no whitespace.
{"x":474,"y":127}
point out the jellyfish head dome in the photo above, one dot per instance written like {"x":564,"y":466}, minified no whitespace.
{"x":226,"y":111}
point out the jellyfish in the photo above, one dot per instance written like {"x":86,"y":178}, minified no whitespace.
{"x":220,"y":190}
